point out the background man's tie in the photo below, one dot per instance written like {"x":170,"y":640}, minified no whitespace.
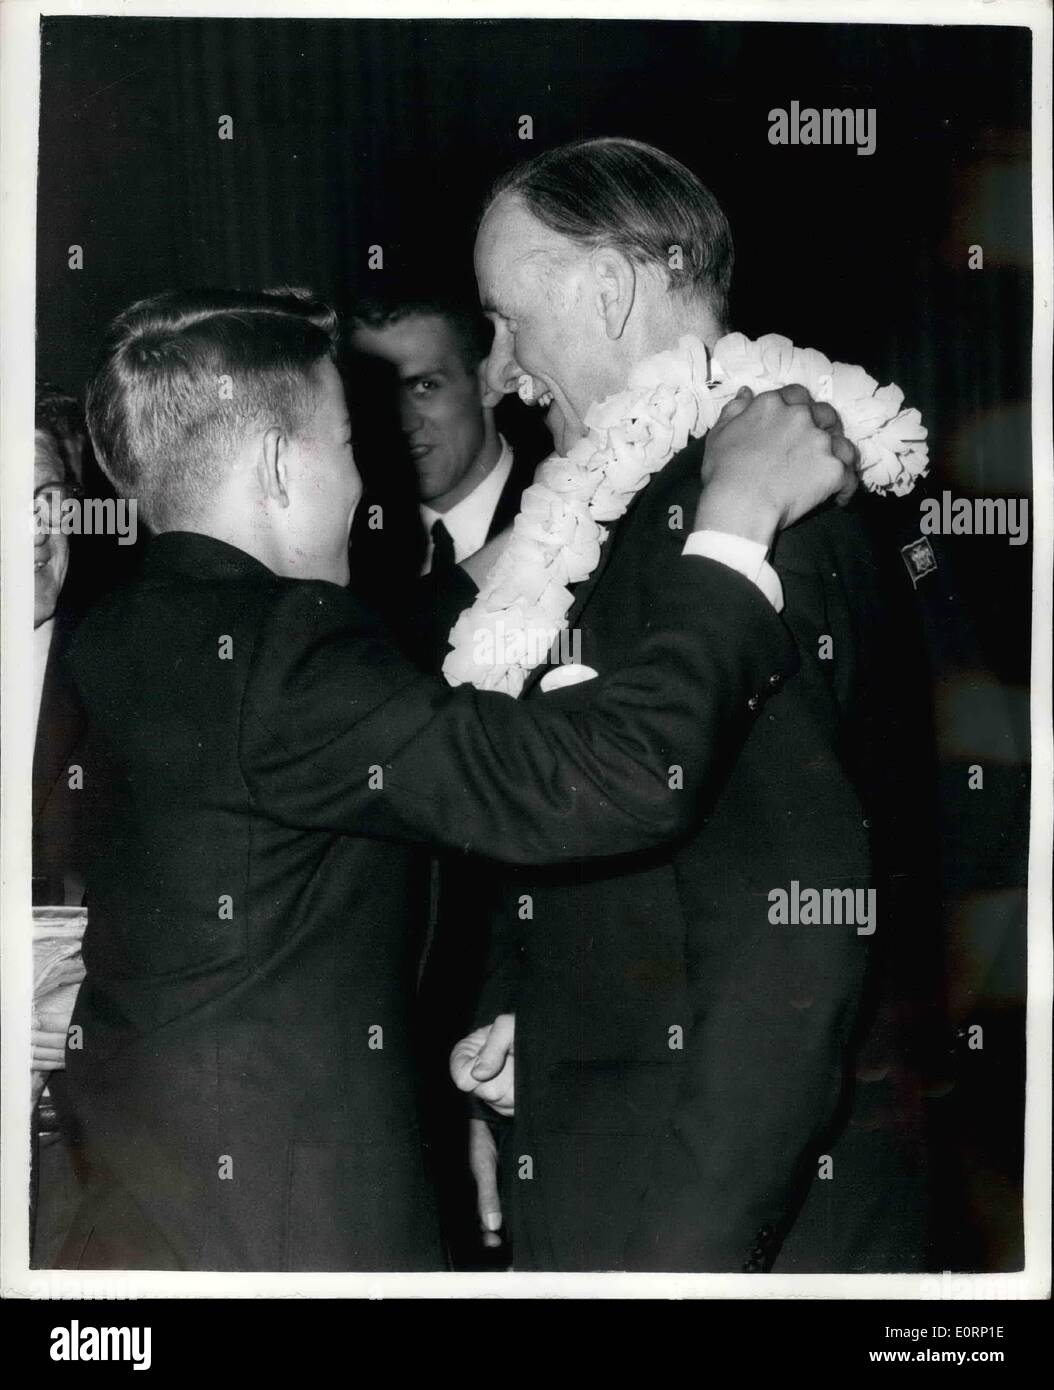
{"x":442,"y":549}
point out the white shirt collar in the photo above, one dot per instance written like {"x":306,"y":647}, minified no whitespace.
{"x":42,"y":636}
{"x":468,"y":521}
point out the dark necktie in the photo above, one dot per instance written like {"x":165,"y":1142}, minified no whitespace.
{"x":442,"y":549}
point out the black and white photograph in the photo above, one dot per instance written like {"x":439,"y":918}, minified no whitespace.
{"x":527,"y":752}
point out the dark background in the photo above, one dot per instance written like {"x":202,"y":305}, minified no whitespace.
{"x":349,"y":134}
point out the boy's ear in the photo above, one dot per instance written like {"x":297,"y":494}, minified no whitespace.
{"x":272,"y":473}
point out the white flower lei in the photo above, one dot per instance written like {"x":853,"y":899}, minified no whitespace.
{"x":671,"y":397}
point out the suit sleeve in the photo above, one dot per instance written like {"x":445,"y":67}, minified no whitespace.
{"x":340,"y":732}
{"x":439,"y":600}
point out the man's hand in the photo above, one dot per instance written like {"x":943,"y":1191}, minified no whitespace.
{"x":770,"y":460}
{"x":483,"y":1164}
{"x":483,"y":1064}
{"x":48,"y":1049}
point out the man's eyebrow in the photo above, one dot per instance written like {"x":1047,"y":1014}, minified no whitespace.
{"x":423,"y":376}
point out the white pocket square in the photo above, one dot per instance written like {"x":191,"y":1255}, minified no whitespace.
{"x":571,"y":674}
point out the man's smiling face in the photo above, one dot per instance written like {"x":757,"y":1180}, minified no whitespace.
{"x":440,"y":401}
{"x":536,"y":289}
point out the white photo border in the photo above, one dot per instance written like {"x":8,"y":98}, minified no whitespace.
{"x":20,"y":87}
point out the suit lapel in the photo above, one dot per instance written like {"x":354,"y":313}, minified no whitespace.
{"x":520,"y":476}
{"x":584,"y":592}
{"x":61,"y":722}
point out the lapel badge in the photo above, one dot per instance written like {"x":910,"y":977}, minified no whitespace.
{"x":919,"y":557}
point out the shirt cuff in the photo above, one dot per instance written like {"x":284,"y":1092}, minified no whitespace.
{"x":747,"y":557}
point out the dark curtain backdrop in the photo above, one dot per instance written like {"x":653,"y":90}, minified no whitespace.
{"x":350,"y":134}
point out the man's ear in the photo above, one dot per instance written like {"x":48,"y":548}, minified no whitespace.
{"x":615,"y":278}
{"x":488,"y":398}
{"x":272,"y":472}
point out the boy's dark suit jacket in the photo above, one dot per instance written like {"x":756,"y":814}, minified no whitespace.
{"x":679,"y":1058}
{"x":245,"y":1087}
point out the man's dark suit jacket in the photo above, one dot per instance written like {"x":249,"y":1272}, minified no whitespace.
{"x":521,"y":475}
{"x":65,"y":818}
{"x":679,"y":1058}
{"x":245,"y":1082}
{"x":61,"y":813}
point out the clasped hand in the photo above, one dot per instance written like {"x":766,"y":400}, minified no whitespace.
{"x":771,"y":459}
{"x":482,"y":1064}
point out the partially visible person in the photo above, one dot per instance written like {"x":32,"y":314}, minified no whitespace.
{"x":60,"y":416}
{"x":61,"y":804}
{"x":58,"y":850}
{"x":423,"y":359}
{"x":443,"y":461}
{"x":468,"y":481}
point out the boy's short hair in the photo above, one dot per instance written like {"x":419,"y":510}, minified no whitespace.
{"x":182,"y":375}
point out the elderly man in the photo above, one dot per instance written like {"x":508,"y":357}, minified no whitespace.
{"x":680,"y":1059}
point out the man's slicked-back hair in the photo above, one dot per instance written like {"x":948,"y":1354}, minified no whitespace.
{"x":181,"y":376}
{"x":624,"y":193}
{"x":471,"y":329}
{"x":60,"y":416}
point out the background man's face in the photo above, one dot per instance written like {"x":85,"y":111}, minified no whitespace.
{"x":534,"y":288}
{"x":440,"y":398}
{"x":51,"y":549}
